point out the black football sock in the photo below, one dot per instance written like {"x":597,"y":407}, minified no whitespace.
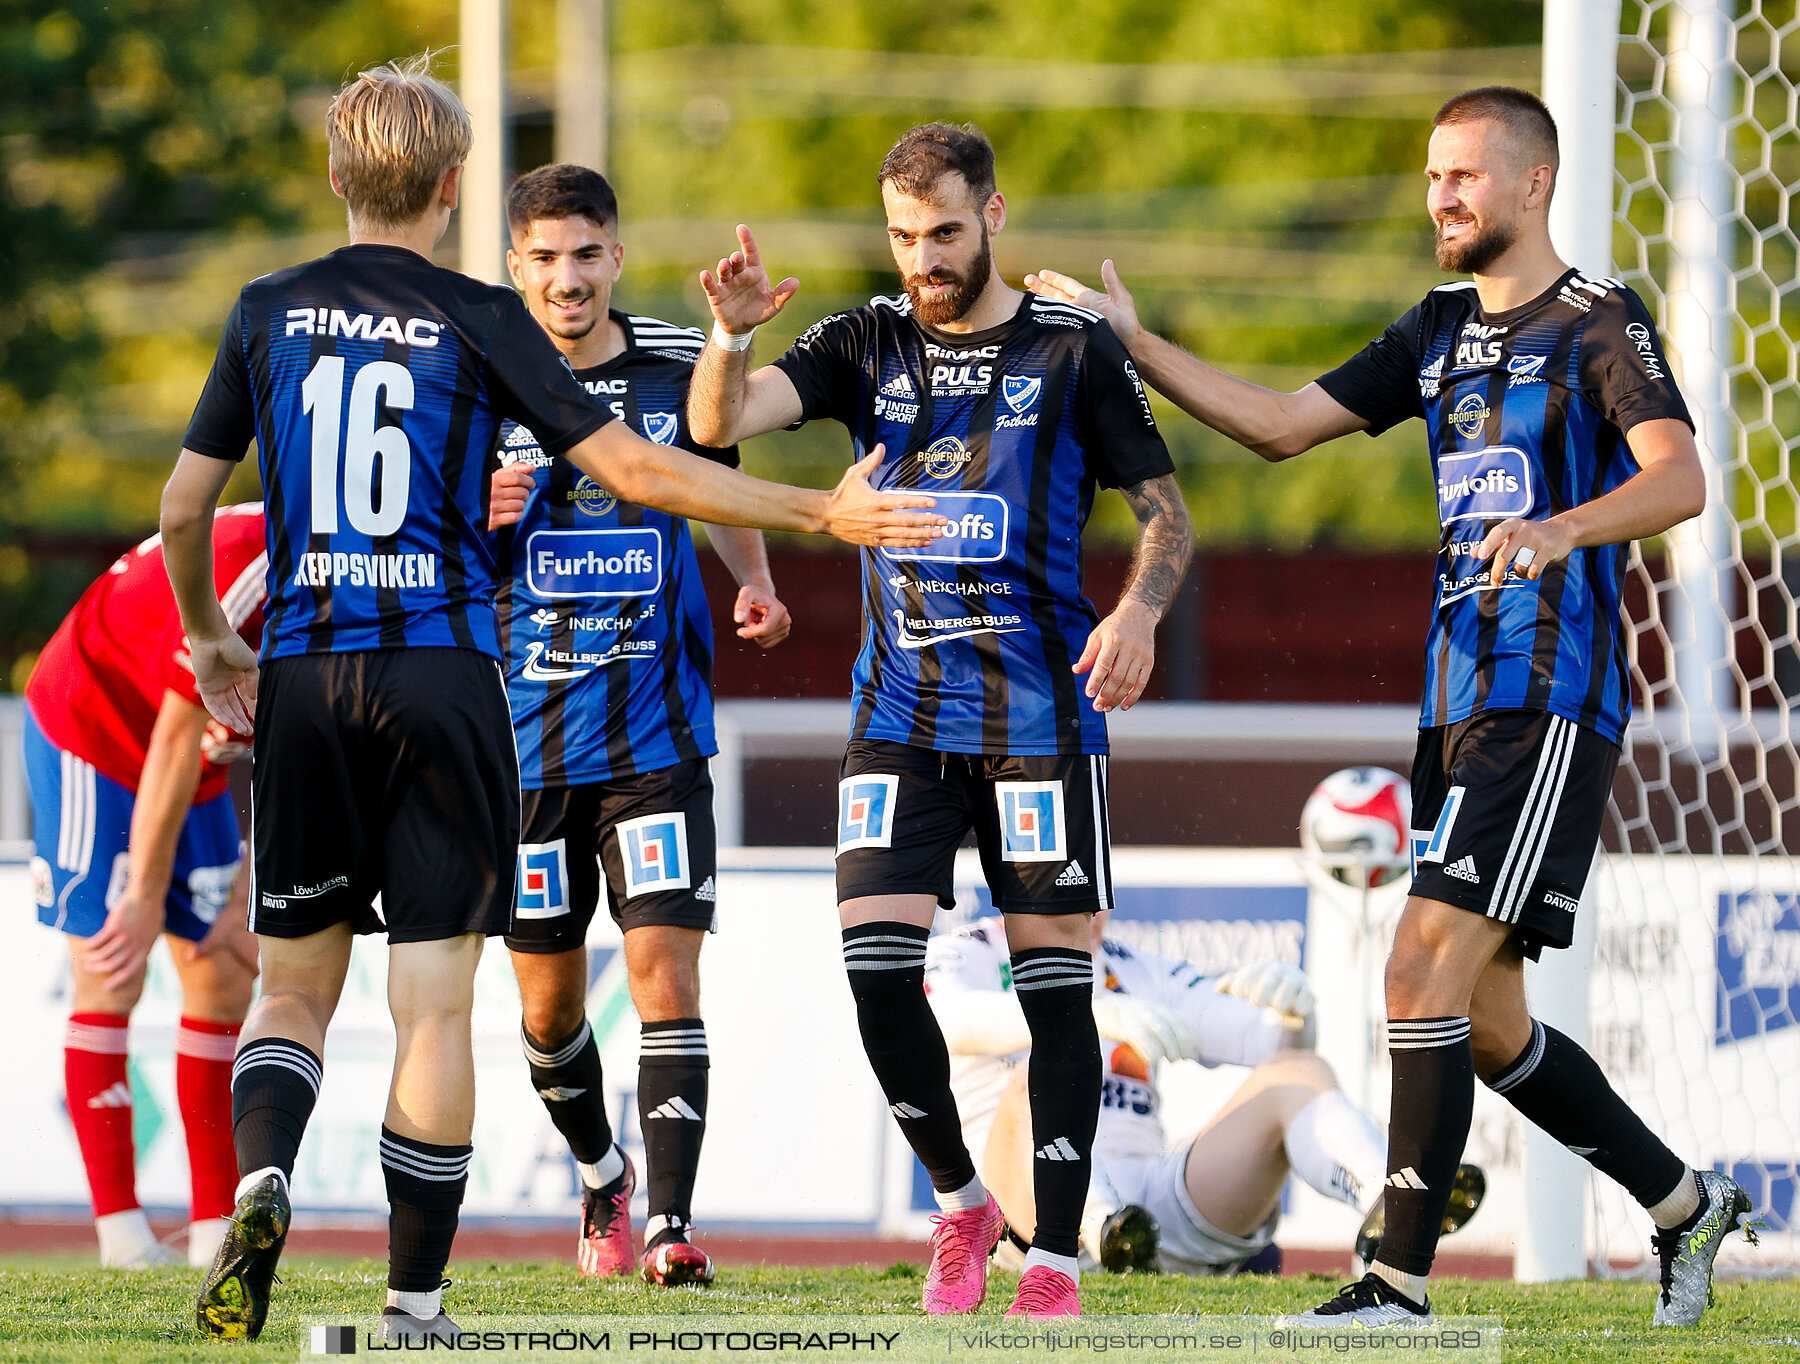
{"x":1561,"y":1088}
{"x":566,"y":1075}
{"x":274,"y":1084}
{"x":1056,"y":991}
{"x":1428,"y":1126}
{"x":425,"y":1186}
{"x":905,"y":1046}
{"x":672,"y":1082}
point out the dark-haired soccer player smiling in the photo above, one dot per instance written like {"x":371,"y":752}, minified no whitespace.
{"x":1012,"y":411}
{"x":1557,"y":438}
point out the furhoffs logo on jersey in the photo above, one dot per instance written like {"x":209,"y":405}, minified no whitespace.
{"x":1031,"y":821}
{"x":1484,"y":485}
{"x":866,"y":812}
{"x":590,"y":498}
{"x":976,"y":533}
{"x":623,"y":562}
{"x":944,"y":458}
{"x":661,"y":427}
{"x":654,"y":851}
{"x":1471,"y":414}
{"x":1758,"y":964}
{"x":543,"y":885}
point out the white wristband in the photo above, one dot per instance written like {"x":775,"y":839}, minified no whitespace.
{"x":725,"y":340}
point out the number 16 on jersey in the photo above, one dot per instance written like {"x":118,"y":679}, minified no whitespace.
{"x":355,"y":451}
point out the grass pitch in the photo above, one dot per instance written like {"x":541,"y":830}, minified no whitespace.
{"x":64,"y":1309}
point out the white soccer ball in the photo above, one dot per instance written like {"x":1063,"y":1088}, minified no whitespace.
{"x":1360,"y":815}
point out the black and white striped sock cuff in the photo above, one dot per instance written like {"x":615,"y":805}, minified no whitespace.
{"x":885,"y":947}
{"x":1422,"y":1034}
{"x":283,"y":1053}
{"x":681,"y":1037}
{"x":1522,"y":1067}
{"x":561,"y":1054}
{"x":423,"y":1160}
{"x":1052,"y":968}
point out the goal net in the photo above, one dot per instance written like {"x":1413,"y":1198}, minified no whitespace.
{"x":1695,"y":1003}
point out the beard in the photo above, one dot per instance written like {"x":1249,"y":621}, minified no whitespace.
{"x":965,"y":288}
{"x":572,"y":331}
{"x":1471,"y":255}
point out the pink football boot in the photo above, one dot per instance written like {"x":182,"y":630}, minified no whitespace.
{"x":960,"y":1246}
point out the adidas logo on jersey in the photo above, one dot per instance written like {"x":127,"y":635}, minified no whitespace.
{"x":115,"y":1095}
{"x":560,"y":1093}
{"x":905,"y":1110}
{"x":1060,"y":1149}
{"x":1072,"y":875}
{"x":1463,"y":869}
{"x":1406,"y":1179}
{"x":677,"y":1107}
{"x":900,"y":386}
{"x":707,"y":892}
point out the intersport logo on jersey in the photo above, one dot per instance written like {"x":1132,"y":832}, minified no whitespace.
{"x":976,"y":533}
{"x":1484,"y":485}
{"x":624,"y":562}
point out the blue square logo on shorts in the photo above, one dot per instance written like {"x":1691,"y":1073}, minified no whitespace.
{"x":1031,"y":821}
{"x":653,"y":849}
{"x":866,"y":812}
{"x":543,"y":891}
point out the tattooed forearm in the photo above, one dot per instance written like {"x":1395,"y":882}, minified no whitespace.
{"x":1165,"y":542}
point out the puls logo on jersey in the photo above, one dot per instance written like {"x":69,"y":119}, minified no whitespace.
{"x":1477,"y":354}
{"x":1471,"y":414}
{"x":626,"y":561}
{"x":1021,"y":396}
{"x":542,"y":891}
{"x":1031,"y":821}
{"x":944,"y":458}
{"x":590,"y":498}
{"x":654,"y":852}
{"x":1646,"y":349}
{"x":661,"y":427}
{"x":957,"y":372}
{"x":1484,"y":485}
{"x":521,"y":447}
{"x":866,"y":812}
{"x":1525,"y":369}
{"x":977,"y":532}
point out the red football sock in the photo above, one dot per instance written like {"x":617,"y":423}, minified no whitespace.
{"x":203,"y":1053}
{"x":99,"y":1096}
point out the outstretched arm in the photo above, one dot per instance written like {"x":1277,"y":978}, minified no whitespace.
{"x":1122,"y":649}
{"x":727,"y":403}
{"x":1275,"y":425}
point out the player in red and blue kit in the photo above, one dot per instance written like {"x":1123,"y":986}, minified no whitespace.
{"x":970,"y":713}
{"x":137,"y":838}
{"x":608,"y":647}
{"x":1556,"y":436}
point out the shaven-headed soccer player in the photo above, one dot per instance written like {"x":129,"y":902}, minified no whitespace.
{"x":970,"y":712}
{"x":609,"y":672}
{"x":374,"y":384}
{"x":1557,"y":437}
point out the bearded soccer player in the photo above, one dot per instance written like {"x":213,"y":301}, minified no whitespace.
{"x":137,"y":838}
{"x":1557,"y":437}
{"x":970,"y":709}
{"x":374,"y":383}
{"x":609,"y":672}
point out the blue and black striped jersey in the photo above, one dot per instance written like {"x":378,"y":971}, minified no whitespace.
{"x":373,"y":383}
{"x":967,"y":643}
{"x":603,"y":618}
{"x":1526,"y":412}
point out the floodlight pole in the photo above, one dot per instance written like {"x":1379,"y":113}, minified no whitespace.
{"x":1581,"y":61}
{"x":483,"y":90}
{"x":583,"y":80}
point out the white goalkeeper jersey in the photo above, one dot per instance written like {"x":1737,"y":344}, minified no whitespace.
{"x":968,"y":976}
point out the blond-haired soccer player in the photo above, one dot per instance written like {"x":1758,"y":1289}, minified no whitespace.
{"x":374,"y":383}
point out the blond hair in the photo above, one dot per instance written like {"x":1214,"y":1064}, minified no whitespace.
{"x":394,"y":131}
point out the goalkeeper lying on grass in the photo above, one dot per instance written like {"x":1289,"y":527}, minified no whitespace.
{"x":1207,"y":1204}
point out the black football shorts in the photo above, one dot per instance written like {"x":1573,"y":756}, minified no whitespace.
{"x":652,"y":832}
{"x":390,"y":773}
{"x":1507,"y":812}
{"x":1039,"y":823}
